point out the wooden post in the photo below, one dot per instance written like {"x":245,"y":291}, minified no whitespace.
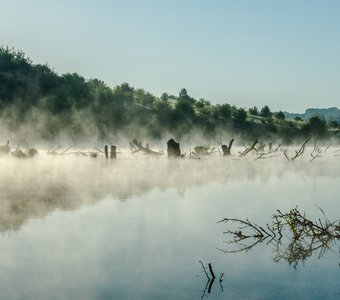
{"x":113,"y":154}
{"x":106,"y":152}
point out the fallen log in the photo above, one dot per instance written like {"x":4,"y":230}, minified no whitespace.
{"x":202,"y":150}
{"x":137,"y":146}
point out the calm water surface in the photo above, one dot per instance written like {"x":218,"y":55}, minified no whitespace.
{"x":74,"y":228}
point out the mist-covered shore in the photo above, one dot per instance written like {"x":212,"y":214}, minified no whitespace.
{"x":38,"y":105}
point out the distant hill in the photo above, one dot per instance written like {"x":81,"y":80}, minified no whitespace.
{"x":329,"y":114}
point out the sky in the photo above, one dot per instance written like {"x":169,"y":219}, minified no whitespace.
{"x":284,"y":54}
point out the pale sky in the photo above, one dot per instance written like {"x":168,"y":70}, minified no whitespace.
{"x":284,"y":54}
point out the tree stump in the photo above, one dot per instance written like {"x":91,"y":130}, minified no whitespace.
{"x":113,"y":154}
{"x":227,"y":149}
{"x":173,"y":149}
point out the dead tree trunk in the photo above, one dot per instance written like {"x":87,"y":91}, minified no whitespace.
{"x":173,"y":148}
{"x":227,"y":149}
{"x":106,"y":151}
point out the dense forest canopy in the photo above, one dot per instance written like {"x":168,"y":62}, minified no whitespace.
{"x":37,"y":102}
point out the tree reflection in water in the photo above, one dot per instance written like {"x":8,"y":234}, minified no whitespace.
{"x":294,"y":236}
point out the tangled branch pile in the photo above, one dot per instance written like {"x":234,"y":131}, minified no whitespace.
{"x":294,"y":236}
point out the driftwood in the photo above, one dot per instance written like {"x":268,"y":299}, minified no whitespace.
{"x":260,"y":147}
{"x":137,"y":146}
{"x":298,"y":152}
{"x":55,"y":151}
{"x":93,"y":154}
{"x":270,"y":153}
{"x":316,"y":150}
{"x":226,"y":150}
{"x":293,"y":236}
{"x":202,"y":150}
{"x":251,"y":148}
{"x":173,"y":148}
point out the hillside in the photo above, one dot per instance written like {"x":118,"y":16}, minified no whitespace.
{"x":37,"y":103}
{"x":329,"y":114}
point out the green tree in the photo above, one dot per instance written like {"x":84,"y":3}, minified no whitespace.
{"x":183,"y":94}
{"x":239,"y":117}
{"x":333,"y":124}
{"x":266,"y":112}
{"x":144,"y":98}
{"x":165,"y":96}
{"x":315,"y":126}
{"x":253,"y":111}
{"x":280,"y":115}
{"x":225,"y":111}
{"x":185,"y":110}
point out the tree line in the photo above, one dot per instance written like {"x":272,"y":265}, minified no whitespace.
{"x":35,"y":95}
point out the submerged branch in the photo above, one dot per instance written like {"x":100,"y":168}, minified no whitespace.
{"x":251,"y":148}
{"x":297,"y":152}
{"x":269,"y":154}
{"x":303,"y":237}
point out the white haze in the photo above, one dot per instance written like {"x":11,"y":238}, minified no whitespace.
{"x":76,"y":227}
{"x":34,"y":187}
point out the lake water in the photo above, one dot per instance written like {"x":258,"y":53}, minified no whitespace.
{"x":136,"y":228}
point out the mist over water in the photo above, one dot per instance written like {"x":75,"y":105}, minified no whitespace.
{"x":135,"y":227}
{"x":39,"y":185}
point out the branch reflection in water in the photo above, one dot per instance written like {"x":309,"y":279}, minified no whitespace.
{"x":210,"y":279}
{"x":294,"y":237}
